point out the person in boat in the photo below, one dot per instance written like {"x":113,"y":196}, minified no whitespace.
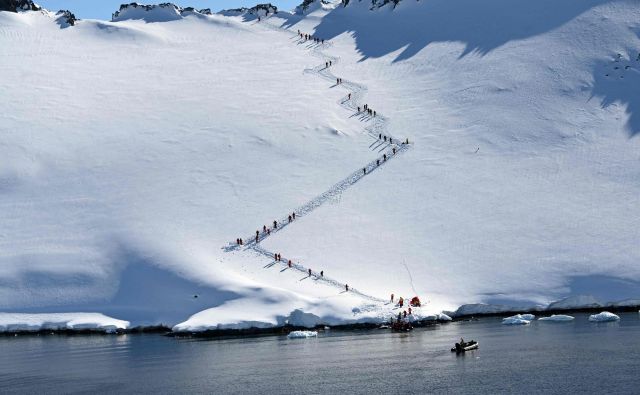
{"x":404,"y":314}
{"x":461,"y":342}
{"x":399,"y":317}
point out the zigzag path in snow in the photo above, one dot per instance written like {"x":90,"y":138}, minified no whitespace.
{"x":376,"y":126}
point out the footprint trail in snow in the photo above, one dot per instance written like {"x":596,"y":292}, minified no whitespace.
{"x":376,"y":126}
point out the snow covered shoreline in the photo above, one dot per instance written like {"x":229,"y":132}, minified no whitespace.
{"x":64,"y":322}
{"x":95,"y":323}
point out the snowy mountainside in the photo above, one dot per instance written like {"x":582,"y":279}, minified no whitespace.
{"x":122,"y":193}
{"x":162,"y":12}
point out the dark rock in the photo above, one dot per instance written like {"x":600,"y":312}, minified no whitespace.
{"x":19,"y":5}
{"x":66,"y":17}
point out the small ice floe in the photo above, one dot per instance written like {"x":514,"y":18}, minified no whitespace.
{"x":302,"y":334}
{"x":518,"y":319}
{"x":557,"y":318}
{"x":605,"y":316}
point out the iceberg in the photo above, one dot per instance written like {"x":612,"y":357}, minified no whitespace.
{"x":605,"y":316}
{"x":557,"y":318}
{"x":518,"y":319}
{"x":302,"y":334}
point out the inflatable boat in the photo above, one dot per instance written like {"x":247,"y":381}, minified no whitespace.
{"x":466,"y":346}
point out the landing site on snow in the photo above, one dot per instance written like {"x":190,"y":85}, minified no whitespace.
{"x":349,"y":164}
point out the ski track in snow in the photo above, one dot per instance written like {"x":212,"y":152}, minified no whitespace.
{"x":375,"y":126}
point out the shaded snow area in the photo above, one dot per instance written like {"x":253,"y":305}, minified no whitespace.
{"x":605,"y":316}
{"x":67,"y":321}
{"x":134,"y":152}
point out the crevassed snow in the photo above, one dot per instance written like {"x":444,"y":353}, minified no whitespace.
{"x":557,"y":318}
{"x":302,"y":334}
{"x":165,"y":141}
{"x":12,"y":322}
{"x":518,"y":319}
{"x":605,"y":316}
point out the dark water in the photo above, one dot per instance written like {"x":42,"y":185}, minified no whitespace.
{"x":541,"y":358}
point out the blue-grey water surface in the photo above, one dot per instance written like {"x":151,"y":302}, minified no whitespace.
{"x":543,"y":357}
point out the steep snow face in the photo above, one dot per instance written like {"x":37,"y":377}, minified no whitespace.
{"x":166,"y":141}
{"x":524,"y":174}
{"x":158,"y":147}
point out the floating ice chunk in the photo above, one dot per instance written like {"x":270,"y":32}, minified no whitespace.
{"x":605,"y":316}
{"x":302,"y":334}
{"x":528,"y":317}
{"x":557,"y":318}
{"x":443,"y":317}
{"x":517,"y":319}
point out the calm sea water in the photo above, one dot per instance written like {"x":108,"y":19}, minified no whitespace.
{"x":541,"y":358}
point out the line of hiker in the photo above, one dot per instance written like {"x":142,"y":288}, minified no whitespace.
{"x":385,"y":138}
{"x":266,"y":231}
{"x":278,"y":258}
{"x":328,"y":64}
{"x":367,"y":110}
{"x":309,"y":37}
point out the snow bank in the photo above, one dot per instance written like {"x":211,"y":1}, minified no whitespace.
{"x":557,"y":318}
{"x":518,"y":319}
{"x":302,"y":334}
{"x":605,"y":316}
{"x":64,"y":321}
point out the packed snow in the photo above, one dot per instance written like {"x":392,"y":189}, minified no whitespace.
{"x":605,"y":316}
{"x":557,"y":318}
{"x":135,"y":151}
{"x":66,"y":321}
{"x":302,"y":334}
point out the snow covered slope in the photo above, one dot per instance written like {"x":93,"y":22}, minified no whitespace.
{"x":133,"y":152}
